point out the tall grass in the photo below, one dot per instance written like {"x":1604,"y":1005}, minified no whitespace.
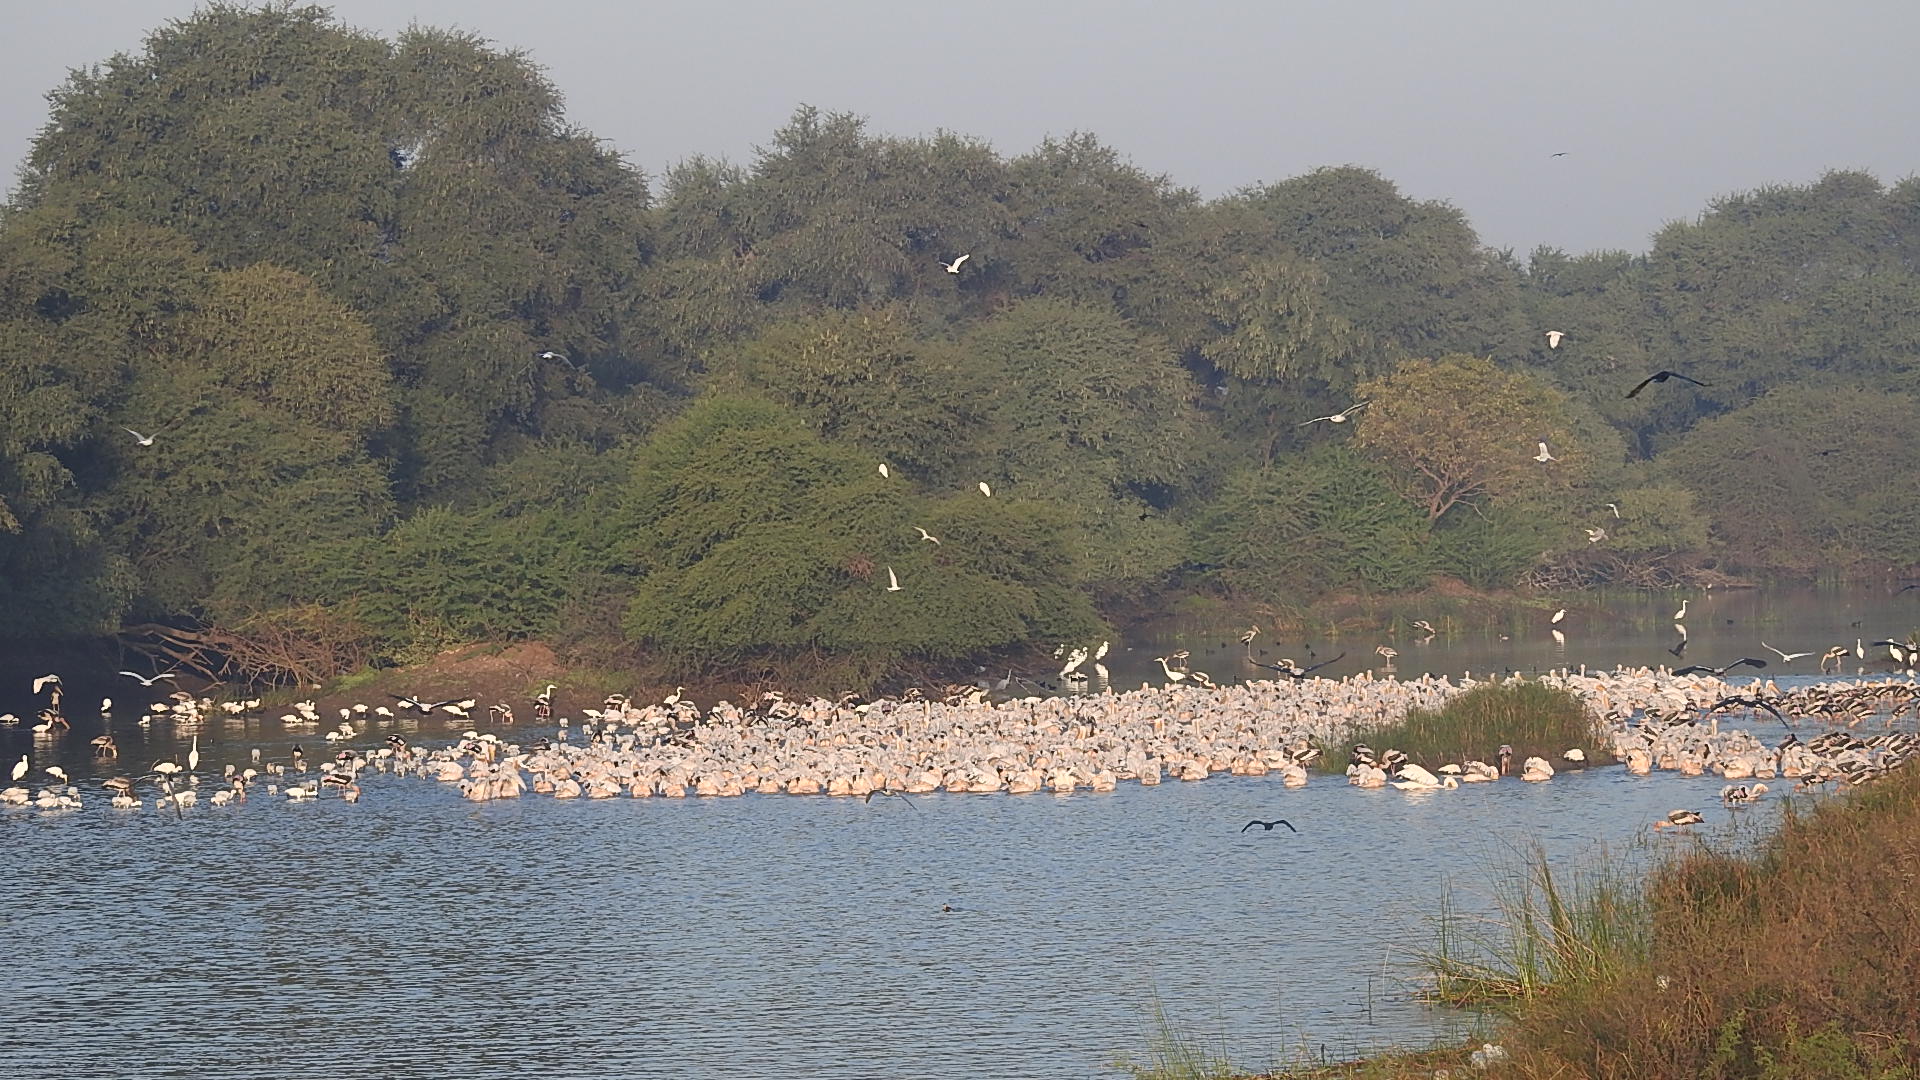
{"x":1549,"y":932}
{"x":1176,"y":1054}
{"x":1536,"y":720}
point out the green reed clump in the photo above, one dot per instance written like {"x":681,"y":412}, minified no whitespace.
{"x":1174,"y":1053}
{"x":1535,"y":719}
{"x":1548,"y":932}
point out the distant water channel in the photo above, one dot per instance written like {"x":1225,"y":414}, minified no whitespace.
{"x":416,"y":935}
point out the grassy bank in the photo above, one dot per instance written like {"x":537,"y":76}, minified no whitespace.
{"x":1794,"y":959}
{"x":1535,"y":720}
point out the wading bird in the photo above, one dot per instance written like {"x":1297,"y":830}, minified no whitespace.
{"x":1339,"y":417}
{"x":1663,"y":376}
{"x":954,"y":266}
{"x":1681,"y":615}
{"x":1678,"y":819}
{"x":1268,"y":825}
{"x":1558,"y":616}
{"x":1294,"y":671}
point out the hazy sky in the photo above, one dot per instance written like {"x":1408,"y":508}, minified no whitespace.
{"x":1662,"y":104}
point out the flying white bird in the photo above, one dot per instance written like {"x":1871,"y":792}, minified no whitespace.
{"x":143,"y":440}
{"x":1615,"y":509}
{"x":985,"y":490}
{"x":883,"y":470}
{"x":893,"y":583}
{"x":1339,"y":417}
{"x":1544,"y":455}
{"x":1594,"y":536}
{"x":44,"y":680}
{"x":954,"y":266}
{"x":1785,"y":657}
{"x":551,"y":355}
{"x":925,"y":535}
{"x":1553,"y":339}
{"x":143,"y":680}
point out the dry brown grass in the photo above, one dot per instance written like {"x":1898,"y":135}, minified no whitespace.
{"x":1801,"y":959}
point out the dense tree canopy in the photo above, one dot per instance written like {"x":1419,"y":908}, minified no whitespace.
{"x":414,"y":352}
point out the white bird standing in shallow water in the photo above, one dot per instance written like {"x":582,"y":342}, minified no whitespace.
{"x":1682,"y":613}
{"x":20,"y":767}
{"x":1544,"y":455}
{"x":193,"y":755}
{"x":893,"y":583}
{"x":1558,"y":615}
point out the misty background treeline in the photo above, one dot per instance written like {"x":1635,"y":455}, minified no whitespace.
{"x":320,"y":268}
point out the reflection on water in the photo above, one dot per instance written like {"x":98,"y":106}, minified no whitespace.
{"x":417,"y":935}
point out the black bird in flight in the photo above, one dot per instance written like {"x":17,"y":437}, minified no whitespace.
{"x":1663,"y":376}
{"x":1562,"y":153}
{"x":1716,"y":672}
{"x":901,"y":795}
{"x":1268,"y":825}
{"x":1904,"y":588}
{"x":1747,"y":702}
{"x":1295,"y":671}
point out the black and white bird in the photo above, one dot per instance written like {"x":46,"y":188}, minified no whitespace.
{"x":1339,"y":417}
{"x":1663,"y":376}
{"x":1747,"y":703}
{"x":1678,"y":819}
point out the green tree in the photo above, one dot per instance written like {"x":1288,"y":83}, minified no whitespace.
{"x":1459,"y":429}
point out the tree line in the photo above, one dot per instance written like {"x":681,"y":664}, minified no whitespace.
{"x":423,"y":363}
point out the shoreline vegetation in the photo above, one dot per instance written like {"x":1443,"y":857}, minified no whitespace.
{"x":1793,"y":957}
{"x":328,"y":350}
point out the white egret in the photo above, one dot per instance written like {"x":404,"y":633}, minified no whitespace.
{"x":954,"y":266}
{"x":985,"y":490}
{"x":1553,"y":338}
{"x":1558,"y":615}
{"x":20,"y":767}
{"x":884,"y":474}
{"x":925,"y":535}
{"x":893,"y":582}
{"x":1339,"y":417}
{"x":1544,"y":455}
{"x":193,"y":755}
{"x":143,"y":440}
{"x":143,"y":680}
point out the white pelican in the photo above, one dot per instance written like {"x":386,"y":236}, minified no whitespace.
{"x":1544,"y":455}
{"x":925,"y":535}
{"x":1553,"y":338}
{"x":143,"y":440}
{"x":893,"y":582}
{"x":1536,"y":769}
{"x":954,"y":266}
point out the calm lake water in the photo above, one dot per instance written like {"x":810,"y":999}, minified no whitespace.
{"x":417,"y":935}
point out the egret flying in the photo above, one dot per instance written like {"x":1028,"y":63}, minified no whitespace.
{"x":925,"y":535}
{"x":143,"y":440}
{"x":143,"y":680}
{"x":884,"y":474}
{"x":1553,"y":338}
{"x":1785,"y":657}
{"x":893,"y":582}
{"x":985,"y":490}
{"x":954,"y":266}
{"x":1339,"y":417}
{"x":1544,"y":455}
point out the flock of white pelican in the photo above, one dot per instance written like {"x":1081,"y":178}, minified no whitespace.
{"x":1646,"y":719}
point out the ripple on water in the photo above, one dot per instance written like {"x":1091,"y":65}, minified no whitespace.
{"x":416,"y":933}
